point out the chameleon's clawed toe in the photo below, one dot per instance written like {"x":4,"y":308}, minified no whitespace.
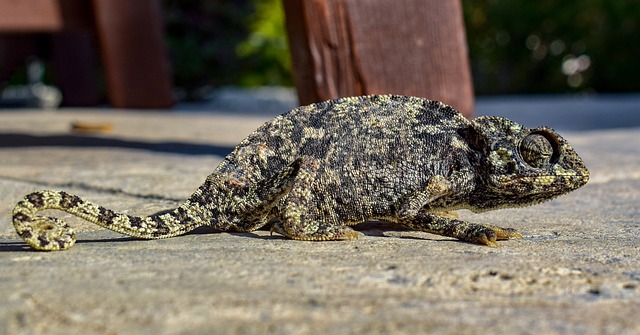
{"x":504,"y":233}
{"x":277,"y":228}
{"x":351,"y":235}
{"x":451,"y":214}
{"x":490,"y":242}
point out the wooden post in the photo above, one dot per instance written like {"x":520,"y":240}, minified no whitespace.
{"x":133,"y":51}
{"x":353,"y":47}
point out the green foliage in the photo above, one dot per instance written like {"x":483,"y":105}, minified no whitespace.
{"x":553,"y":46}
{"x":224,"y":42}
{"x":265,"y":51}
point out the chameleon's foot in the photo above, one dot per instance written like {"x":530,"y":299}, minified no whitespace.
{"x":504,"y":233}
{"x":336,"y":233}
{"x":497,"y":233}
{"x":489,"y":241}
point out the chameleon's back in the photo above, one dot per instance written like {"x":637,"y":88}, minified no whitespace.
{"x":352,"y":134}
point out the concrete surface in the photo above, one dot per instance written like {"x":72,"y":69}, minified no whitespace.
{"x":577,"y":271}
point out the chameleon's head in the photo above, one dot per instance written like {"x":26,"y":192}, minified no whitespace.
{"x":521,"y":166}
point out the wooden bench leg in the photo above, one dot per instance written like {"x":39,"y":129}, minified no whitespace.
{"x":137,"y":68}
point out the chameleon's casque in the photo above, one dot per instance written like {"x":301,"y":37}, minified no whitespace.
{"x":320,"y":168}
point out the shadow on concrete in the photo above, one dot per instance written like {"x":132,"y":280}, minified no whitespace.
{"x":20,"y":246}
{"x":16,"y":140}
{"x":15,"y":246}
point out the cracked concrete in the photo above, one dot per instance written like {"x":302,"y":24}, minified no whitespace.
{"x":577,"y":271}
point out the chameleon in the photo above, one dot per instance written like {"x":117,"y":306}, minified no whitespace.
{"x":316,"y":170}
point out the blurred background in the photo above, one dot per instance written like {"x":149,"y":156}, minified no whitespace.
{"x":540,"y":46}
{"x":515,"y":47}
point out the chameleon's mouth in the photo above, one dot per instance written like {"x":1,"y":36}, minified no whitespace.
{"x":538,"y":184}
{"x":528,"y":190}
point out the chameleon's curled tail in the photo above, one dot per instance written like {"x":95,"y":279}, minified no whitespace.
{"x":48,"y":233}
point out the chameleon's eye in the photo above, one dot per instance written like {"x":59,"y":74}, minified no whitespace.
{"x":537,"y":150}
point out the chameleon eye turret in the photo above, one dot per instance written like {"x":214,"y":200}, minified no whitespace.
{"x":537,"y":150}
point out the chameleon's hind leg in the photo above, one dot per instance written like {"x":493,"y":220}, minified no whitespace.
{"x":307,"y":212}
{"x":246,"y":206}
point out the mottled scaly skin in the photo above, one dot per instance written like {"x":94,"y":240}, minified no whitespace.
{"x":320,"y":168}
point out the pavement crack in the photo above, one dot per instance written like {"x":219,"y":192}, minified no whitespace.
{"x":99,"y":189}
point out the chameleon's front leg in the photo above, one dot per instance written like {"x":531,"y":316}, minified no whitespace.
{"x":411,"y":216}
{"x":462,"y":230}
